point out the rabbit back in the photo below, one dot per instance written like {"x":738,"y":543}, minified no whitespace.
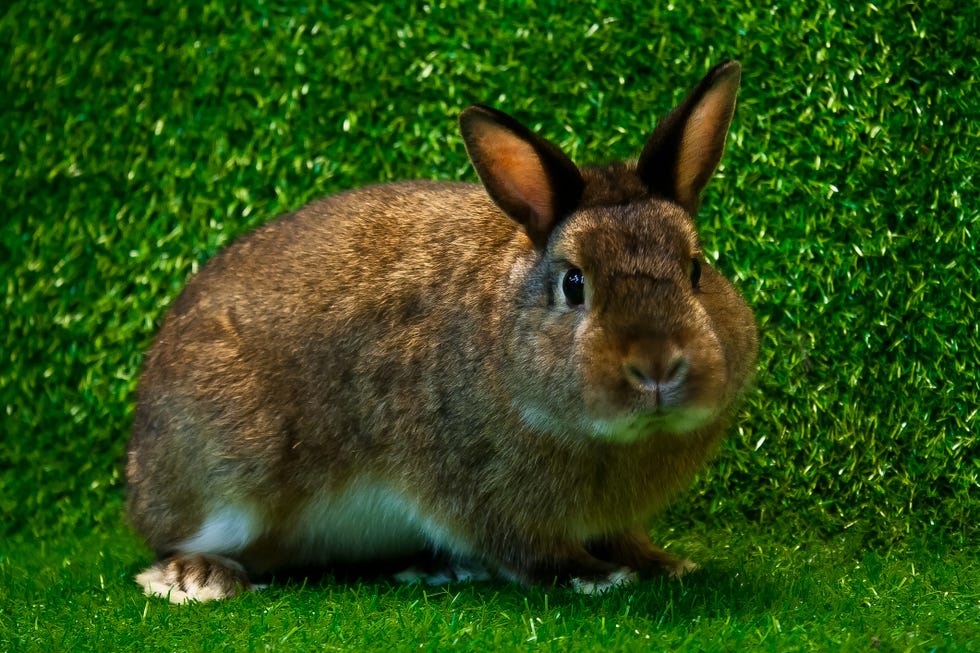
{"x":314,"y":349}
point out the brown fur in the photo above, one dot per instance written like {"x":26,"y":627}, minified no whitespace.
{"x":394,"y":334}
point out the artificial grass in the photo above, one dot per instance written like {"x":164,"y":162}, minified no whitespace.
{"x":757,"y":591}
{"x":136,"y":139}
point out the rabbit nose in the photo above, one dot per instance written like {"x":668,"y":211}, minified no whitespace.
{"x":656,"y":369}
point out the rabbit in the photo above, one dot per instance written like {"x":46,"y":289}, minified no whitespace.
{"x":508,"y":378}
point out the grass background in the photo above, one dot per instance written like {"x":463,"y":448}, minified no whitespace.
{"x":843,"y":512}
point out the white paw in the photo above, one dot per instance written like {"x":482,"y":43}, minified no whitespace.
{"x":681,"y":567}
{"x":194,"y":578}
{"x":155,"y":582}
{"x":618,"y":578}
{"x":453,"y":572}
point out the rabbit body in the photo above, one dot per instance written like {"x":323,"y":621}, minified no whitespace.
{"x":518,"y":374}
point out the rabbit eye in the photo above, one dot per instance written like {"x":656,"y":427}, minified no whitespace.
{"x":573,"y":285}
{"x":695,"y":272}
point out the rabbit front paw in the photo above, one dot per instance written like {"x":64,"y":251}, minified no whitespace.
{"x":195,"y":577}
{"x":602,"y":583}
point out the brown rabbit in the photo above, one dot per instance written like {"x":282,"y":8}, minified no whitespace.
{"x":514,"y":377}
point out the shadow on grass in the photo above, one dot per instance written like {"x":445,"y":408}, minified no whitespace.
{"x":719,"y":588}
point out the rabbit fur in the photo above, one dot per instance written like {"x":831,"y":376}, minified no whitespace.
{"x":513,"y":376}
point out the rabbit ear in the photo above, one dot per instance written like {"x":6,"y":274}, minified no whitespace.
{"x":530,"y":179}
{"x":683,"y":151}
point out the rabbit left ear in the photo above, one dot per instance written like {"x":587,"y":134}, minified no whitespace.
{"x":685,"y":148}
{"x":529,"y":178}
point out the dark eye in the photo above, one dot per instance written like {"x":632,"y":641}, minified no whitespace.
{"x":695,"y":272}
{"x":573,"y":285}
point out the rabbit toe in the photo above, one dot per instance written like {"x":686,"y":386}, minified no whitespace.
{"x":194,"y":577}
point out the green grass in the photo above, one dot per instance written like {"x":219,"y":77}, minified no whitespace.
{"x":137,"y":138}
{"x":755,"y":592}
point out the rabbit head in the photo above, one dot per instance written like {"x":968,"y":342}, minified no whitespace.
{"x":622,"y":328}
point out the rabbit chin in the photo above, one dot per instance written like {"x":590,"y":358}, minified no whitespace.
{"x":643,"y":425}
{"x":624,"y":429}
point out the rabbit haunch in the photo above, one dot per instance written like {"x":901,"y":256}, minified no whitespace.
{"x":514,"y":376}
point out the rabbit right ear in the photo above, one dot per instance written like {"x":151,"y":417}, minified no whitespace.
{"x":683,"y":151}
{"x":529,"y":178}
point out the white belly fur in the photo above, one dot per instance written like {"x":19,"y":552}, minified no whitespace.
{"x":367,"y":521}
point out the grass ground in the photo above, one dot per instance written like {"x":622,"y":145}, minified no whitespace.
{"x":757,"y":590}
{"x":844,"y":511}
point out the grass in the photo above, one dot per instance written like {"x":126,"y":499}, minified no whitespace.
{"x":756,"y":591}
{"x":843,"y":513}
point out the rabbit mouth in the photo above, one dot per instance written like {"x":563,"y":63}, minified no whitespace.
{"x":629,"y":427}
{"x":651,"y":422}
